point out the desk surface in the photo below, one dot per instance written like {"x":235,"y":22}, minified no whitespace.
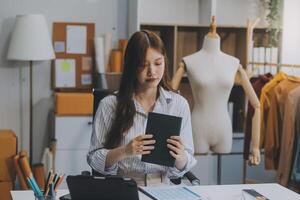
{"x":272,"y":191}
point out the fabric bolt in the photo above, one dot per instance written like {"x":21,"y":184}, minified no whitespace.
{"x":288,"y":136}
{"x":258,"y":84}
{"x":167,"y":103}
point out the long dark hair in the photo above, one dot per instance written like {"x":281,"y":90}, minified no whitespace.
{"x":134,"y":59}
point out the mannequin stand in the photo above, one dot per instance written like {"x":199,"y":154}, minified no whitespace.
{"x":219,"y":168}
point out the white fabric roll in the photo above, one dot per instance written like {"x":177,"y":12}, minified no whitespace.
{"x":99,"y":54}
{"x":107,"y":49}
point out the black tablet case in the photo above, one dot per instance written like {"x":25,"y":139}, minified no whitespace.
{"x":162,"y":127}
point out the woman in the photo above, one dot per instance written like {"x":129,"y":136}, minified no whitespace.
{"x":118,"y":140}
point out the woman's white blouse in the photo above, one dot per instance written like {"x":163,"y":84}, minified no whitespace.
{"x":167,"y":103}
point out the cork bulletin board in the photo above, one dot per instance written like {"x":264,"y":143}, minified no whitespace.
{"x":74,"y":49}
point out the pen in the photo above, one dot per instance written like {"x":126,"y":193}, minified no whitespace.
{"x":55,"y":177}
{"x":51,"y":191}
{"x":50,"y":181}
{"x":47,"y":181}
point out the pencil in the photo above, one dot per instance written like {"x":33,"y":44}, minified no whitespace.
{"x":60,"y":180}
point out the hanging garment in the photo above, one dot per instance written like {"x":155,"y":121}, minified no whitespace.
{"x":268,"y":96}
{"x":275,"y":119}
{"x":295,"y":175}
{"x":265,"y":103}
{"x":258,"y":84}
{"x":288,"y":136}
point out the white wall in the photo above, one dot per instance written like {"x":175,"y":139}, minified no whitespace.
{"x":108,"y":16}
{"x":207,"y":8}
{"x":237,"y":12}
{"x":228,"y":12}
{"x":169,"y":11}
{"x":290,"y":36}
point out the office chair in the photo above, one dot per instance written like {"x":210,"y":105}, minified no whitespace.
{"x":100,"y":94}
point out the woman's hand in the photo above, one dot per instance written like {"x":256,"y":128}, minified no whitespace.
{"x":140,"y":145}
{"x":176,"y":146}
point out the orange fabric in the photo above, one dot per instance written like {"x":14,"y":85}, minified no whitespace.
{"x":73,"y":103}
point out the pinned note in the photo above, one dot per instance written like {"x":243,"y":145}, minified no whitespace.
{"x":59,"y":47}
{"x":65,"y":73}
{"x":76,"y":39}
{"x":86,"y":79}
{"x":86,"y":64}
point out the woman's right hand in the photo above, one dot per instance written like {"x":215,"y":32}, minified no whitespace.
{"x":140,"y":145}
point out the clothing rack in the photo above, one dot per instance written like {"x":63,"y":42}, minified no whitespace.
{"x":258,"y":64}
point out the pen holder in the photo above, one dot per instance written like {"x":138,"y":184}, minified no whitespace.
{"x":45,"y":197}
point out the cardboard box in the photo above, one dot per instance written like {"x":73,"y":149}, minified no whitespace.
{"x":73,"y":104}
{"x":5,"y":188}
{"x":8,"y":149}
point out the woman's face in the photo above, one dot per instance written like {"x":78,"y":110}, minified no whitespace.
{"x":150,"y":74}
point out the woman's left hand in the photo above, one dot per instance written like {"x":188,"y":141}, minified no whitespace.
{"x":176,"y":146}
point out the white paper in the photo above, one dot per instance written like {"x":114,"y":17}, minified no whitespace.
{"x":65,"y":73}
{"x":172,"y":193}
{"x":99,"y":54}
{"x":86,"y":79}
{"x":76,"y":39}
{"x":59,"y":47}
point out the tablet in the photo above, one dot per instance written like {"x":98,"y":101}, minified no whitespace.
{"x":162,"y":127}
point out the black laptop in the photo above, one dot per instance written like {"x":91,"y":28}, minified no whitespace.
{"x":102,"y":188}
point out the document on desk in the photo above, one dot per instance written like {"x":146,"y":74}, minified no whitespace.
{"x":171,"y":193}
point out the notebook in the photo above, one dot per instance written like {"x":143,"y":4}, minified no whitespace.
{"x":171,"y":193}
{"x":162,"y":127}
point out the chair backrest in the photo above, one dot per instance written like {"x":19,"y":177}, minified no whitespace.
{"x":99,"y":94}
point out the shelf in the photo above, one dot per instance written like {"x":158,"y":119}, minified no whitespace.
{"x":198,"y":25}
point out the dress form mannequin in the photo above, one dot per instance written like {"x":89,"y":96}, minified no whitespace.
{"x":212,"y":74}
